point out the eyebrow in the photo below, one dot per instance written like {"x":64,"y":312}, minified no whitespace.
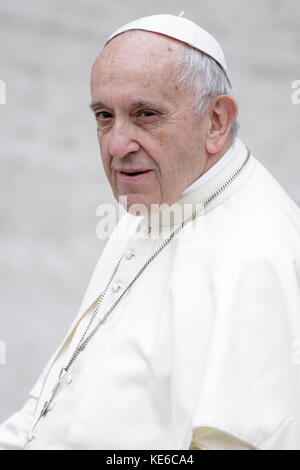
{"x":97,"y":104}
{"x":135,"y":104}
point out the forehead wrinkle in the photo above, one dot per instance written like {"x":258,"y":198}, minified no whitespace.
{"x":150,"y":86}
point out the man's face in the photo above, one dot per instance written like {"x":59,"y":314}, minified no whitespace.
{"x":150,"y":139}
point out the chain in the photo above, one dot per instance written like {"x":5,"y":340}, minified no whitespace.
{"x":85,"y":339}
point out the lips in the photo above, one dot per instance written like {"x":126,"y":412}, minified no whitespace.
{"x":133,"y":174}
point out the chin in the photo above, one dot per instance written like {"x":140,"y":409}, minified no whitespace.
{"x":138,"y":204}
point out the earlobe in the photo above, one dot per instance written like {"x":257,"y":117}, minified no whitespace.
{"x":221,"y":115}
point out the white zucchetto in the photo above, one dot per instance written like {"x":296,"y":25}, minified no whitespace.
{"x":179,"y":28}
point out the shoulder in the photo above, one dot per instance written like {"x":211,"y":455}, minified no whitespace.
{"x":259,"y":222}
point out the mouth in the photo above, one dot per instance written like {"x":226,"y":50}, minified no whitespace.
{"x":134,"y":175}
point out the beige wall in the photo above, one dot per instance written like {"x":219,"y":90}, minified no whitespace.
{"x":51,"y":177}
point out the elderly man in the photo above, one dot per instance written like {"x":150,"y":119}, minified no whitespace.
{"x":188,"y":335}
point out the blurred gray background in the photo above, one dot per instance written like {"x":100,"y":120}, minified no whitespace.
{"x":51,"y":176}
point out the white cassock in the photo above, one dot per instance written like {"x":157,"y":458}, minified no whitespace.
{"x":204,"y":347}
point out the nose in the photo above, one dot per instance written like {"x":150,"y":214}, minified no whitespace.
{"x":122,"y":142}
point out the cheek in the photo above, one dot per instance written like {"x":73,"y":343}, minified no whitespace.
{"x":170,"y":152}
{"x":103,"y":146}
{"x":179,"y":153}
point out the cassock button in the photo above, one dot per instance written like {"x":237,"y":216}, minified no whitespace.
{"x":69,"y":379}
{"x":51,"y":406}
{"x":129,"y":254}
{"x":30,"y":436}
{"x":145,"y":229}
{"x":116,"y":287}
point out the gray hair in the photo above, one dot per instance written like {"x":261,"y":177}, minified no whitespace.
{"x":204,"y":76}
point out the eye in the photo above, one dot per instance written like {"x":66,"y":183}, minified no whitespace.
{"x":146,"y":116}
{"x":103,"y":115}
{"x":146,"y":113}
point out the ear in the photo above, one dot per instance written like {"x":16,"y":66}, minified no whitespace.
{"x":221,"y":114}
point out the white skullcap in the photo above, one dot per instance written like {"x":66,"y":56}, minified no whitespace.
{"x":181,"y":29}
